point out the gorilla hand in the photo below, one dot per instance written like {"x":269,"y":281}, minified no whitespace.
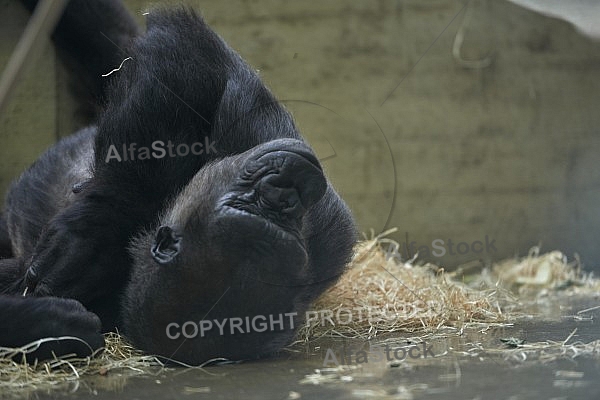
{"x":82,"y":254}
{"x":25,"y":320}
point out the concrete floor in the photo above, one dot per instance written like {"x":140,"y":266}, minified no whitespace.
{"x":475,"y":365}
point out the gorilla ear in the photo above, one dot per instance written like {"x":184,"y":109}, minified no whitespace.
{"x":166,"y":245}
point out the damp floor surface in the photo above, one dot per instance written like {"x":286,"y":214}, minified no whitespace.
{"x":474,"y":365}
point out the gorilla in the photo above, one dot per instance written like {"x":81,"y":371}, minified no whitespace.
{"x":191,"y":215}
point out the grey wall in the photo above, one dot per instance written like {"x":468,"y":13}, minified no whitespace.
{"x":411,"y":137}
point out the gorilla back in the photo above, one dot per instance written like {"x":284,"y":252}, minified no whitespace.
{"x":176,"y":251}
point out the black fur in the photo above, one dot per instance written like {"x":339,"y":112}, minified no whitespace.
{"x":46,"y":188}
{"x":253,"y":228}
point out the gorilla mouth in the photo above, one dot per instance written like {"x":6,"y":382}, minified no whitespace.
{"x":279,"y":185}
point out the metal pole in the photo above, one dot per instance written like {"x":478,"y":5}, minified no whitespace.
{"x":41,"y":24}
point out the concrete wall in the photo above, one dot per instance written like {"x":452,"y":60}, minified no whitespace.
{"x":411,"y":137}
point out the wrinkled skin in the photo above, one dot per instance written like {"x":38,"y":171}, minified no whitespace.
{"x":252,"y":229}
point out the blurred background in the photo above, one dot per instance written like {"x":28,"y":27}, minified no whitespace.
{"x":462,"y":121}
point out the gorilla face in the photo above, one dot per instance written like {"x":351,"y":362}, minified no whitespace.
{"x":234,"y":231}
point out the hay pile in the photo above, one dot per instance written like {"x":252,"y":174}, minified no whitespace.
{"x":381,"y":294}
{"x":117,"y":355}
{"x":537,"y":273}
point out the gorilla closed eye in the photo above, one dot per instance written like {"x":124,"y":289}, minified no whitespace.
{"x":166,"y":245}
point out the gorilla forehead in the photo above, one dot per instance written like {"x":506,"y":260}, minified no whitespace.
{"x":198,"y":199}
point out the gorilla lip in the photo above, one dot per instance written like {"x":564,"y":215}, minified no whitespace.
{"x":272,"y":229}
{"x":293,"y":149}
